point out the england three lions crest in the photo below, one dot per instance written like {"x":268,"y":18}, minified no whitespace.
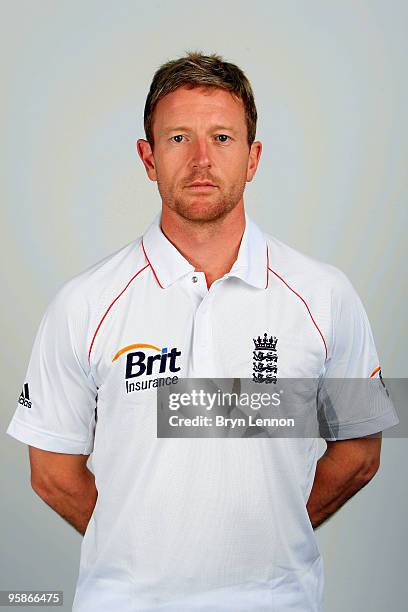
{"x":265,"y":359}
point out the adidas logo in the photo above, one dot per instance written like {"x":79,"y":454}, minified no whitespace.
{"x":24,"y":398}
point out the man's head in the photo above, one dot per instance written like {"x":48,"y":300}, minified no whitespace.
{"x":200,"y":123}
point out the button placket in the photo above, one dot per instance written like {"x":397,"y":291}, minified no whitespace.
{"x":202,"y":337}
{"x":203,"y":359}
{"x":198,"y":284}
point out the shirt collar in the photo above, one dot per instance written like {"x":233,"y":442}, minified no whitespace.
{"x":168,"y":264}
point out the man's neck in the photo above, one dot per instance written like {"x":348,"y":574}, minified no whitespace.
{"x":210,"y":247}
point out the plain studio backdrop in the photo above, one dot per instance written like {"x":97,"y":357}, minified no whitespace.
{"x":330,"y":84}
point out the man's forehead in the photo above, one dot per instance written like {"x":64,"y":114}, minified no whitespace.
{"x":200,"y":95}
{"x":184,"y":104}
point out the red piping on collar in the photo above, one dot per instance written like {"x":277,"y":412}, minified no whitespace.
{"x":155,"y":275}
{"x":308,"y":310}
{"x":160,"y":285}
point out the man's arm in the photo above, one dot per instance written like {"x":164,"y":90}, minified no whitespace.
{"x":345,"y":468}
{"x":65,"y":483}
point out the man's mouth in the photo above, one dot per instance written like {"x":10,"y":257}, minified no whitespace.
{"x":201,"y":186}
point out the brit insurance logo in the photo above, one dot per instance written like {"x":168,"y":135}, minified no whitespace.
{"x":24,"y":398}
{"x":143,"y":364}
{"x":265,"y":358}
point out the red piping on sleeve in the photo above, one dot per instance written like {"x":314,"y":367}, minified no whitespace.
{"x":374,"y":372}
{"x":308,"y":310}
{"x":267,"y":267}
{"x":116,"y":298}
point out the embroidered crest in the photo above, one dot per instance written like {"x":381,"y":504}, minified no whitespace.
{"x":265,"y":359}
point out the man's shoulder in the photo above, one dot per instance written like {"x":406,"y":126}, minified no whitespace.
{"x":101,"y":281}
{"x":312,"y":276}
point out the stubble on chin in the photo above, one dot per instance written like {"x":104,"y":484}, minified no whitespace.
{"x":203,"y":208}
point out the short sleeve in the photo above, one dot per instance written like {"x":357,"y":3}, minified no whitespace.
{"x":56,"y":409}
{"x":353,"y":400}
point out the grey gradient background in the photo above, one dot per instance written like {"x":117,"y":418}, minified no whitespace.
{"x":330,"y":85}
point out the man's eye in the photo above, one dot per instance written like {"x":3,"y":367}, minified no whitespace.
{"x":223,"y":136}
{"x":177,"y":136}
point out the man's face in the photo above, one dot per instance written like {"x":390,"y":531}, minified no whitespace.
{"x":200,"y":134}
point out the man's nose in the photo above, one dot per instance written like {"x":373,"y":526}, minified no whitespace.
{"x":201,"y":153}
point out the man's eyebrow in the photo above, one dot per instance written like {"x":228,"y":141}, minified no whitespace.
{"x":224,"y":127}
{"x":182,"y":128}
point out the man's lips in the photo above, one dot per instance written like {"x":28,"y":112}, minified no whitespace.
{"x":201,"y":185}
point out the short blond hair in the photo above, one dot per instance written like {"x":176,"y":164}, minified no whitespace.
{"x":198,"y":70}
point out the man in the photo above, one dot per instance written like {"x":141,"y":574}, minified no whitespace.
{"x":183,"y":524}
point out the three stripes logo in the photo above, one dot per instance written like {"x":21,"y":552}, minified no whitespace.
{"x":24,"y":398}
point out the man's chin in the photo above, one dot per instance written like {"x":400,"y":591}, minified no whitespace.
{"x":202,"y":212}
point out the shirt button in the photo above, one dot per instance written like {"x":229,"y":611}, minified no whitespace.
{"x":194,"y":279}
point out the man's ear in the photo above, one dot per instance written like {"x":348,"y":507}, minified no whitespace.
{"x":253,"y":160}
{"x":146,"y":155}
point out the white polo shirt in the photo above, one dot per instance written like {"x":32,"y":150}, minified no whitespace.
{"x":182,"y":524}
